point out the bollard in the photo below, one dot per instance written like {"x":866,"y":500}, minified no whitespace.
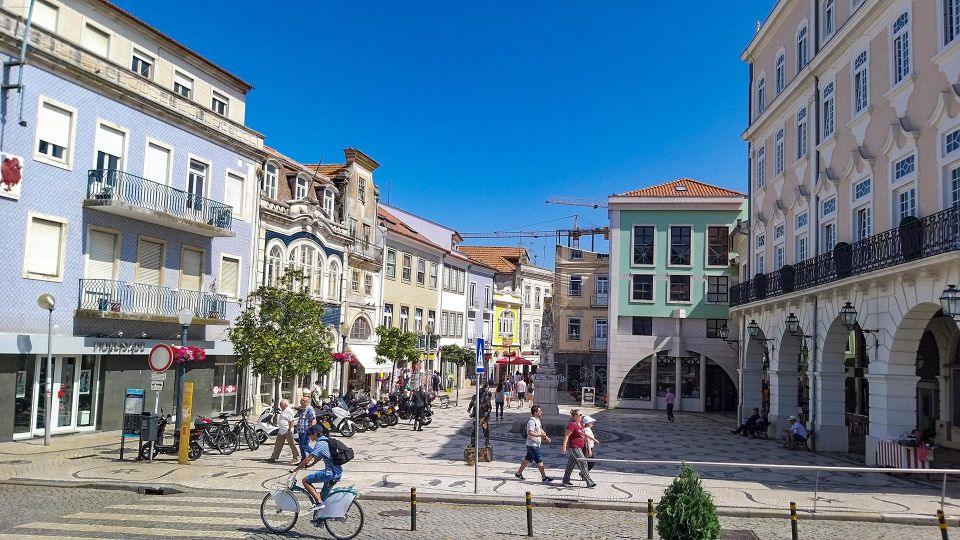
{"x":413,"y":509}
{"x":529,"y":514}
{"x":649,"y":518}
{"x":943,"y":525}
{"x":793,"y":521}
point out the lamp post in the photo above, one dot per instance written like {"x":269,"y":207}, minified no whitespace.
{"x":184,"y":317}
{"x":724,"y":334}
{"x":48,"y":302}
{"x":950,"y":302}
{"x":793,"y":324}
{"x":848,"y":315}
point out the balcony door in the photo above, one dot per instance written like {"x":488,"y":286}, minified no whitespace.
{"x":100,"y":290}
{"x":156,"y":168}
{"x":110,"y":144}
{"x":147,"y":295}
{"x":603,"y":289}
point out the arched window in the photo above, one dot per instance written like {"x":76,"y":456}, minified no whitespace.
{"x":303,"y":258}
{"x":274,"y":262}
{"x":270,"y":180}
{"x":333,"y":281}
{"x":318,"y":275}
{"x":506,"y":323}
{"x":360,"y":329}
{"x":300,"y":189}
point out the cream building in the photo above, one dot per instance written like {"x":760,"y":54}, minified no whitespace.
{"x":854,"y":132}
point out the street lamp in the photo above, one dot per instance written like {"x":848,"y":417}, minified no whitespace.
{"x":184,"y":317}
{"x":48,"y":302}
{"x":848,"y":315}
{"x":793,"y":324}
{"x":753,"y":328}
{"x":724,"y":334}
{"x":950,"y":302}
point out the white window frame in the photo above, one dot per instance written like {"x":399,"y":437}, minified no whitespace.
{"x":329,"y":201}
{"x":386,"y":264}
{"x":163,"y":258}
{"x":761,"y":94}
{"x":950,"y":30}
{"x":860,"y":82}
{"x":66,"y":163}
{"x":238,"y":212}
{"x":759,"y":266}
{"x":203,"y":270}
{"x":301,"y":188}
{"x":803,"y":51}
{"x":781,"y":71}
{"x":779,"y":256}
{"x":829,"y":19}
{"x":570,"y":285}
{"x":216,"y":97}
{"x":901,"y":39}
{"x":802,"y":133}
{"x":579,"y":335}
{"x":234,"y":294}
{"x":170,"y":158}
{"x":828,"y":108}
{"x":186,"y":77}
{"x":37,"y":18}
{"x":802,"y":241}
{"x":362,"y":190}
{"x":268,"y":187}
{"x":126,"y":142}
{"x":762,"y":166}
{"x":88,"y":24}
{"x":897,"y":193}
{"x":778,"y":153}
{"x":64,"y":227}
{"x":388,"y":315}
{"x":138,"y":54}
{"x":797,"y":226}
{"x":653,"y":288}
{"x":824,"y":247}
{"x":670,"y":244}
{"x":856,"y":232}
{"x":206,"y":178}
{"x":689,"y":299}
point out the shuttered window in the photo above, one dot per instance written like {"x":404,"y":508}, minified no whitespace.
{"x":191,"y":269}
{"x":234,"y":193}
{"x":53,"y":132}
{"x":101,"y":253}
{"x":156,"y":163}
{"x":95,"y":40}
{"x":149,"y":262}
{"x":43,"y":247}
{"x":229,"y":277}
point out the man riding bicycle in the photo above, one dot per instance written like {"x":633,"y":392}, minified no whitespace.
{"x":319,"y":450}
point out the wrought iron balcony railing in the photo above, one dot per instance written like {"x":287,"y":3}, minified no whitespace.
{"x":117,"y":186}
{"x":474,"y":302}
{"x":599,"y":299}
{"x":935,"y":234}
{"x":366,"y":250}
{"x":598,"y":344}
{"x":108,"y":296}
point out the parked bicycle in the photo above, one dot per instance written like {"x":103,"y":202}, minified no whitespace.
{"x":341,"y":515}
{"x":246,"y":431}
{"x":218,"y":436}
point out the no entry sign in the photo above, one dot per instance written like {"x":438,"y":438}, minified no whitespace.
{"x":161,"y":358}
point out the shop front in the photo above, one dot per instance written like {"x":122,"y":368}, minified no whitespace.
{"x":75,"y":385}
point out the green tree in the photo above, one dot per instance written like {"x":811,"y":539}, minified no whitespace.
{"x":396,"y":346}
{"x":281,"y":331}
{"x":686,"y":511}
{"x":458,"y":356}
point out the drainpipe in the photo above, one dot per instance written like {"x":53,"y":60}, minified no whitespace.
{"x":813,"y":380}
{"x":20,"y":62}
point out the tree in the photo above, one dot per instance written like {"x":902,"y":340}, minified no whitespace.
{"x":686,"y":511}
{"x":281,"y":331}
{"x":397,"y":346}
{"x":459,"y":356}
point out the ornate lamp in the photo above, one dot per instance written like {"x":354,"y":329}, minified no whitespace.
{"x":848,"y":315}
{"x":793,"y":324}
{"x":950,"y":302}
{"x":723,"y":332}
{"x":753,"y":328}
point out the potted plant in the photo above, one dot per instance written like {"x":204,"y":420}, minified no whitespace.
{"x":843,"y":259}
{"x":106,"y":193}
{"x":787,"y":277}
{"x":686,"y":510}
{"x":760,"y":285}
{"x":910,"y":232}
{"x":221,"y":218}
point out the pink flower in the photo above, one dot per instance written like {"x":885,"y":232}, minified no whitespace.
{"x":183,"y":355}
{"x":345,"y":357}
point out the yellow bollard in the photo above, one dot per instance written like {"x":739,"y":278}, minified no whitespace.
{"x":186,"y":412}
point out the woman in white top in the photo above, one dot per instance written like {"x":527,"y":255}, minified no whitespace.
{"x":588,"y":422}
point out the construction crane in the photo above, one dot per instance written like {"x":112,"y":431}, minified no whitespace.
{"x":536,"y":234}
{"x":575,"y":201}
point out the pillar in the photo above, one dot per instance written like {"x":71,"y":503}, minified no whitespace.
{"x":783,"y":396}
{"x":830,"y":430}
{"x":893,"y":408}
{"x":751,"y":388}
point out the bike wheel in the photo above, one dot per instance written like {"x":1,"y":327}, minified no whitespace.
{"x":195,"y":451}
{"x":145,"y":451}
{"x":392,"y":419}
{"x":250,"y":437}
{"x":360,"y":426}
{"x":228,"y":443}
{"x":372,"y":424}
{"x":347,"y":428}
{"x":349,"y":525}
{"x":276,"y":519}
{"x":261,"y":436}
{"x":383,"y":422}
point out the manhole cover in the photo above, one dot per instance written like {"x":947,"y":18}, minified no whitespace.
{"x":395,"y":513}
{"x":738,"y":534}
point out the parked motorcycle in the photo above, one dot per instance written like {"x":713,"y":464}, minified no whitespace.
{"x":337,"y":418}
{"x":196,"y":449}
{"x":358,"y":414}
{"x":373,"y":416}
{"x":267,"y":424}
{"x":388,"y":415}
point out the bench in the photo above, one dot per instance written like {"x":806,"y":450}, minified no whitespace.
{"x":444,"y":401}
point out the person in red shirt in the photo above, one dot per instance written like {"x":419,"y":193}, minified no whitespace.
{"x":575,"y":439}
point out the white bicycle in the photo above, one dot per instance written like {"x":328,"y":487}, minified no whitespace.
{"x":341,"y":514}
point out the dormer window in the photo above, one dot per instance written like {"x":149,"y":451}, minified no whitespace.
{"x":270,"y":180}
{"x":300,"y":189}
{"x":362,"y":190}
{"x":328,"y":202}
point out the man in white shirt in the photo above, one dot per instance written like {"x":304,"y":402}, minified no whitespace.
{"x":535,"y":434}
{"x":284,"y":433}
{"x":796,"y":434}
{"x":521,"y":393}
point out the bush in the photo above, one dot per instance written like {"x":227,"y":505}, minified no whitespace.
{"x":686,"y":511}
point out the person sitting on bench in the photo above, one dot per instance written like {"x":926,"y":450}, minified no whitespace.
{"x":797,"y":434}
{"x":750,"y":425}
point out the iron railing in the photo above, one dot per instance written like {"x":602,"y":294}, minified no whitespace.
{"x":106,"y":295}
{"x":598,"y":344}
{"x":110,"y":185}
{"x":474,"y":302}
{"x":932,"y":235}
{"x":599,"y":299}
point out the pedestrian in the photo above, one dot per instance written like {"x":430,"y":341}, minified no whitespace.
{"x":669,"y":398}
{"x":508,"y":390}
{"x":308,"y":418}
{"x":521,"y":393}
{"x":498,"y":399}
{"x":535,"y":437}
{"x":436,"y":382}
{"x":575,"y":439}
{"x":530,"y":391}
{"x":284,"y":433}
{"x":588,"y":422}
{"x":316,"y":395}
{"x":419,"y":402}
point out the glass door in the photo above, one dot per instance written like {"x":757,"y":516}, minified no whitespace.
{"x":65,"y":393}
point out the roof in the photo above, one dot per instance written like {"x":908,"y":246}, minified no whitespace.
{"x":291,"y":165}
{"x":682,"y":187}
{"x":500,"y":258}
{"x":329,"y":170}
{"x":396,"y":226}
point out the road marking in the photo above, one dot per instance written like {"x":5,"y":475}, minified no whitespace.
{"x":157,"y":508}
{"x":144,"y":518}
{"x":39,"y":537}
{"x":125,"y":531}
{"x":226,"y":500}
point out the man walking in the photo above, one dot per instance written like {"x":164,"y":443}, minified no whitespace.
{"x":535,"y":434}
{"x":284,"y":433}
{"x":669,"y":398}
{"x":308,"y":418}
{"x":521,"y":393}
{"x":419,"y":402}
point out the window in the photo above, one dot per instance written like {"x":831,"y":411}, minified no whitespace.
{"x":576,"y":255}
{"x":759,"y":267}
{"x":906,"y":201}
{"x":778,"y":257}
{"x":573,"y":328}
{"x":421,"y":271}
{"x":54,"y":131}
{"x":641,"y":288}
{"x":901,"y":48}
{"x":761,"y":95}
{"x":472,"y":298}
{"x":802,"y":248}
{"x":717,"y":246}
{"x":680,"y":245}
{"x":43,"y":258}
{"x":487,"y":303}
{"x":271,"y":272}
{"x":95,"y":40}
{"x":779,"y":231}
{"x":781,"y":74}
{"x":229,"y":277}
{"x":861,"y":83}
{"x":717,"y":289}
{"x":418,"y":320}
{"x":828,"y":236}
{"x":951,"y":20}
{"x":270,"y":180}
{"x":828,"y":110}
{"x":407,"y":268}
{"x":461,"y":280}
{"x":459,"y":324}
{"x":142,"y":64}
{"x":526,"y":333}
{"x":446,"y":278}
{"x":191,"y":269}
{"x":802,"y":133}
{"x":600,"y":329}
{"x":761,"y":166}
{"x":679,"y":288}
{"x":109,"y":147}
{"x":101,"y":255}
{"x":576,"y":285}
{"x":861,"y":189}
{"x":761,"y":240}
{"x":536,"y":336}
{"x":368,"y":284}
{"x":303,"y":258}
{"x":404,"y":318}
{"x":526,"y":296}
{"x":45,"y":15}
{"x":952,"y":141}
{"x":218,"y":103}
{"x":300,"y":189}
{"x":506,"y":323}
{"x":829,"y":206}
{"x":643,"y":243}
{"x":150,"y":258}
{"x":666,"y":374}
{"x":778,"y":154}
{"x":388,"y":315}
{"x":333,"y":282}
{"x":182,"y":85}
{"x":905,"y":167}
{"x":829,"y":21}
{"x":433,"y":275}
{"x":714,"y":326}
{"x":362,"y":190}
{"x":360,"y":329}
{"x":355,"y":280}
{"x":353,"y":227}
{"x":443,"y":323}
{"x":233,"y":193}
{"x":196,"y":184}
{"x":803,"y":219}
{"x":536,"y":295}
{"x":225,"y":376}
{"x":328,"y":200}
{"x":954,"y":189}
{"x":863,"y":223}
{"x":802,"y":47}
{"x":156,"y":163}
{"x":642,"y":326}
{"x":431,"y":321}
{"x":391,"y":264}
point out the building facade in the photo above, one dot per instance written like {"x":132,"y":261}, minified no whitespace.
{"x":130,"y":180}
{"x":506,"y":318}
{"x":669,"y":256}
{"x":859,"y":99}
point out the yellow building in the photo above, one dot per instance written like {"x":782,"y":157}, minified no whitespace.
{"x":506,"y":316}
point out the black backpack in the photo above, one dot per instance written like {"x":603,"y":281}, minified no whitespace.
{"x":339,"y":452}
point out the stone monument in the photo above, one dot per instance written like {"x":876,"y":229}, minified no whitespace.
{"x":545,"y":381}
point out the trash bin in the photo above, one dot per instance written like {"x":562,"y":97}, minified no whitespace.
{"x":148,"y":427}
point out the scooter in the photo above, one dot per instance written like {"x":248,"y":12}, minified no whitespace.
{"x":339,"y":418}
{"x":196,"y":449}
{"x":267,"y":424}
{"x":372,"y":419}
{"x":388,"y":415}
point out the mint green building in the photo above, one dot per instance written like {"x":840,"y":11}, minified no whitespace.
{"x":671,"y":270}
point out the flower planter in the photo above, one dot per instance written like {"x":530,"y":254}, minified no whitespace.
{"x":843,"y":259}
{"x":910,"y":234}
{"x":787,"y":278}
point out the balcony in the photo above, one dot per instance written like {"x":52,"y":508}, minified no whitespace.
{"x":599,"y":300}
{"x":108,"y":299}
{"x":598,"y":344}
{"x":123,"y":194}
{"x":933,"y":235}
{"x":363,"y":249}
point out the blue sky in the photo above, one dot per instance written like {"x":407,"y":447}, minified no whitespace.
{"x":478,"y":111}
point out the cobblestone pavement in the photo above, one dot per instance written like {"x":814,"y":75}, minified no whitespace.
{"x":34,"y":513}
{"x":392,"y":460}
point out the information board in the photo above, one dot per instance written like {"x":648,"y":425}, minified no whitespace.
{"x":588,"y":395}
{"x":132,"y":412}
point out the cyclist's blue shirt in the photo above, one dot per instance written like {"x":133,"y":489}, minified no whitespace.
{"x":321,"y":450}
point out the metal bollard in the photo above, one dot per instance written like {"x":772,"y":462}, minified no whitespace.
{"x":529,"y":514}
{"x":943,"y":525}
{"x":413,"y":509}
{"x":649,"y":518}
{"x":793,"y":521}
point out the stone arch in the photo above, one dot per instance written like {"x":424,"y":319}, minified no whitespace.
{"x":754,"y":388}
{"x":906,"y":338}
{"x":636,"y":388}
{"x":828,"y":385}
{"x":784,"y":375}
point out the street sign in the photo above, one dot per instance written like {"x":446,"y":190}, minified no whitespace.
{"x":480,"y":366}
{"x":158,"y":376}
{"x":161,"y":358}
{"x":156,"y":386}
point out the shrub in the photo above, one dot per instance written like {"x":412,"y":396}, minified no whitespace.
{"x":686,"y":511}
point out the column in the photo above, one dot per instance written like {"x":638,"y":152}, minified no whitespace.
{"x":751,"y":387}
{"x":830,"y":429}
{"x":893,"y":408}
{"x":783,"y":396}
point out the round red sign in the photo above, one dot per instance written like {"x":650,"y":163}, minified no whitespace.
{"x":161,"y":358}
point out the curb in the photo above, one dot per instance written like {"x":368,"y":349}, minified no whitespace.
{"x":638,"y":507}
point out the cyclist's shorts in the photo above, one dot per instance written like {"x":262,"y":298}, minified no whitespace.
{"x":322,"y":476}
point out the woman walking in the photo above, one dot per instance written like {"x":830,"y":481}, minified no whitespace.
{"x":575,"y":439}
{"x":498,"y":399}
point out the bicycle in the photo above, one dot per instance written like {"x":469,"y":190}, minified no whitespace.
{"x":218,"y":436}
{"x":245,"y":430}
{"x":341,"y":515}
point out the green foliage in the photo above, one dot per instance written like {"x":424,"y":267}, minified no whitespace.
{"x":397,"y":346}
{"x":281,"y":331}
{"x":456,"y":355}
{"x":686,"y":511}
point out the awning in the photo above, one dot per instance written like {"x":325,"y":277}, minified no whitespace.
{"x":367,"y":356}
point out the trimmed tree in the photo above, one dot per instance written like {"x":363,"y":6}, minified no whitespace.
{"x":281,"y":331}
{"x":686,"y":511}
{"x":396,"y":346}
{"x":458,"y":356}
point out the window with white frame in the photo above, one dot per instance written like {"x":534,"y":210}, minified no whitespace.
{"x":433,"y":275}
{"x":219,"y":103}
{"x":418,"y":320}
{"x":679,"y":288}
{"x":718,"y":249}
{"x":802,"y":47}
{"x":829,"y":206}
{"x":904,"y":168}
{"x":444,"y":316}
{"x":803,"y":219}
{"x":459,"y":329}
{"x":407,"y":268}
{"x":101,"y":254}
{"x":300,"y":189}
{"x":863,"y":222}
{"x":828,"y":236}
{"x":95,"y":40}
{"x":45,"y":15}
{"x":405,"y":318}
{"x":901,"y":48}
{"x":641,"y":288}
{"x":953,"y":186}
{"x":274,"y":266}
{"x":536,"y":294}
{"x":197,"y":184}
{"x":421,"y":271}
{"x":303,"y":258}
{"x":54,"y":132}
{"x":526,"y":333}
{"x":362,"y":190}
{"x":906,"y":203}
{"x":573,"y":328}
{"x":778,"y":154}
{"x":761,"y":240}
{"x":360,"y":329}
{"x":861,"y":189}
{"x":802,"y":246}
{"x":391,"y":264}
{"x":333,"y":281}
{"x":802,"y":132}
{"x":829,"y":112}
{"x":861,"y":83}
{"x":388,"y":315}
{"x":269,"y":186}
{"x":506,"y":323}
{"x":43,"y":256}
{"x":951,"y":20}
{"x":229,"y":277}
{"x":761,"y":95}
{"x":142,"y":64}
{"x":761,"y":166}
{"x":233,"y":193}
{"x":527,"y":295}
{"x":951,"y":141}
{"x":328,"y":200}
{"x":829,"y":18}
{"x":779,"y":231}
{"x":182,"y":84}
{"x":110,"y":144}
{"x":778,"y":258}
{"x":758,"y":264}
{"x":781,"y":73}
{"x":575,"y":287}
{"x":355,"y":280}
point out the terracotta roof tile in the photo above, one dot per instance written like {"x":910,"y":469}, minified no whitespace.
{"x":682,"y":187}
{"x":327,"y":169}
{"x":500,"y":258}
